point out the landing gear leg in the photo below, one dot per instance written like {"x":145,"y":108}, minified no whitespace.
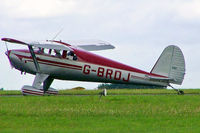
{"x":179,"y":92}
{"x":47,"y":83}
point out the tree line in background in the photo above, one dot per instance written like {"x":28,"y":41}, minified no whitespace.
{"x":127,"y":86}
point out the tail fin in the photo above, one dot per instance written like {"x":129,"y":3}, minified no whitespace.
{"x":171,"y":64}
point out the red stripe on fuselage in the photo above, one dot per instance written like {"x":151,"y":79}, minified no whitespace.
{"x":56,"y":65}
{"x":60,"y":64}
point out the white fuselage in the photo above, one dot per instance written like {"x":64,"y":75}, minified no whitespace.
{"x":69,"y":69}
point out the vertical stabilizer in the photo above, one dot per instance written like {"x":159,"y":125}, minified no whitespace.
{"x":171,"y":63}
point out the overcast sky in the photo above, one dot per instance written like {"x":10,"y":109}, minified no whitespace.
{"x":140,"y":30}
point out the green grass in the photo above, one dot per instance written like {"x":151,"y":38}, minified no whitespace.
{"x":121,"y":113}
{"x":127,"y":91}
{"x":10,"y":92}
{"x":113,"y":92}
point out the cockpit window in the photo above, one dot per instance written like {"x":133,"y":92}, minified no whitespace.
{"x":71,"y":55}
{"x":46,"y":51}
{"x":64,"y":54}
{"x":58,"y":53}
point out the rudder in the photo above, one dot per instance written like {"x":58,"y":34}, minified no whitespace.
{"x":171,"y":64}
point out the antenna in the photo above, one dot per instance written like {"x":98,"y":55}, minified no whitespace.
{"x":57,"y":33}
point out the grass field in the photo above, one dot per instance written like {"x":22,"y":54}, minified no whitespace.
{"x":114,"y":113}
{"x":112,"y":92}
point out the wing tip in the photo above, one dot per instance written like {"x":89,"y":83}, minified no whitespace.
{"x":11,"y":40}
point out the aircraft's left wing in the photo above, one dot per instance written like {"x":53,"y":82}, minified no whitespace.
{"x":48,"y":46}
{"x":89,"y":45}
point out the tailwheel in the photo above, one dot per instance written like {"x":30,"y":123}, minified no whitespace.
{"x":179,"y":92}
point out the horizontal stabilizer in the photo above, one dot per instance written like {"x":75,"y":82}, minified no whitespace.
{"x":160,"y":79}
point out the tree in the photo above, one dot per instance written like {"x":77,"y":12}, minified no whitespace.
{"x":128,"y":86}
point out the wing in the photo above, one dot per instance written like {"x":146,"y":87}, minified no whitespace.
{"x":92,"y":45}
{"x":48,"y":46}
{"x":52,"y":46}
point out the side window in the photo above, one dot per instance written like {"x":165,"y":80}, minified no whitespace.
{"x":43,"y":51}
{"x":40,"y":50}
{"x":50,"y":51}
{"x":75,"y":57}
{"x":64,"y":54}
{"x":57,"y":53}
{"x":71,"y":55}
{"x":46,"y":51}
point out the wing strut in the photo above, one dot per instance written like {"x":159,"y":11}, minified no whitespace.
{"x":37,"y":67}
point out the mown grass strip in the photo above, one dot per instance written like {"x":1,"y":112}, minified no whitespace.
{"x":113,"y":92}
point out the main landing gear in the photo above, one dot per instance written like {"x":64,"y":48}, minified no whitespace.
{"x":37,"y":88}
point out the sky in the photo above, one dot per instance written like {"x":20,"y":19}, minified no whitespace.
{"x":139,"y":30}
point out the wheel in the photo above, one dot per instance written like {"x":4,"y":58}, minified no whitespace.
{"x":180,"y":92}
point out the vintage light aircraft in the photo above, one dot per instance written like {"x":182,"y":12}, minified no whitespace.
{"x":73,"y":61}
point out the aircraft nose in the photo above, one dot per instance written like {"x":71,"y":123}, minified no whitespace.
{"x":8,"y":54}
